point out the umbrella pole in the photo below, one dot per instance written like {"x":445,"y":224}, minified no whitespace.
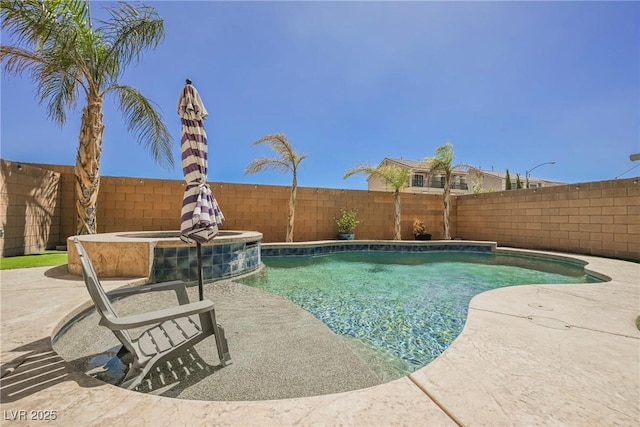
{"x":200,"y":287}
{"x":218,"y":331}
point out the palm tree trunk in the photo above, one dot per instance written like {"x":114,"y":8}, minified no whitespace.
{"x":292,"y":209}
{"x":397,"y":233}
{"x":87,"y":169}
{"x":446,"y":198}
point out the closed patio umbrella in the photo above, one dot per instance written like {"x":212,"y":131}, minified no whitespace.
{"x":201,"y":214}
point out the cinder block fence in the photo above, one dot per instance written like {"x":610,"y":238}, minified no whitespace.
{"x":37,"y":211}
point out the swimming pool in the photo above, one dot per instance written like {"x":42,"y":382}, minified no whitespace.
{"x":407,"y":307}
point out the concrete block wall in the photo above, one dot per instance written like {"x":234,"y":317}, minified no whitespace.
{"x":144,"y":204}
{"x":29,"y":209}
{"x":66,"y":201}
{"x":130,"y":204}
{"x":596,"y":218}
{"x":135,"y":204}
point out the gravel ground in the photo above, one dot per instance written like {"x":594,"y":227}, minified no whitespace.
{"x":278,"y":351}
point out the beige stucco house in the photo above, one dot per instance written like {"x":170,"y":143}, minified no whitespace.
{"x":465,"y":179}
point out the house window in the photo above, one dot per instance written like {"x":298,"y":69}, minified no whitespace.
{"x":458,"y":183}
{"x":463,"y":183}
{"x":418,"y":181}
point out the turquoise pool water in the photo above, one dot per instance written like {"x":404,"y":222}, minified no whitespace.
{"x":407,"y":307}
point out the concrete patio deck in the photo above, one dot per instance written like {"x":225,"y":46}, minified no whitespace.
{"x":528,"y":355}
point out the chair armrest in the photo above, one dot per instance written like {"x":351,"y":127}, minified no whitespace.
{"x":176,"y":285}
{"x":157,"y":316}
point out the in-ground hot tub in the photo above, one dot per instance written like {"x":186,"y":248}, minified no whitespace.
{"x":162,"y":256}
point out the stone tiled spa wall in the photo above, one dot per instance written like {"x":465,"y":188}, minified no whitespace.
{"x":218,"y":261}
{"x":599,"y":218}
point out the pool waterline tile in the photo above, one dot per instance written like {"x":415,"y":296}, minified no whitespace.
{"x":232,"y":259}
{"x":323,"y":248}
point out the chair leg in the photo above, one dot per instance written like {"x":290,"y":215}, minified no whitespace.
{"x":209,"y":319}
{"x":221,"y":343}
{"x":123,"y":352}
{"x":134,"y":376}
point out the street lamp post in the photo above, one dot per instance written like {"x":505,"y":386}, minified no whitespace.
{"x":528,"y":173}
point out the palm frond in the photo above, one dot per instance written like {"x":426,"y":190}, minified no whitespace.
{"x":280,"y":137}
{"x":277,"y":142}
{"x":463,"y":167}
{"x":18,"y":60}
{"x":61,"y":91}
{"x":129,"y":32}
{"x":145,"y":122}
{"x":52,"y":37}
{"x":41,"y":25}
{"x":264,"y":163}
{"x":360,"y":169}
{"x":298,"y":159}
{"x":394,"y":176}
{"x":288,"y":158}
{"x":28,"y":21}
{"x":57,"y":81}
{"x":442,"y":161}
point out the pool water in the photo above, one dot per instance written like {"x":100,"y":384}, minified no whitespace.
{"x":407,"y":307}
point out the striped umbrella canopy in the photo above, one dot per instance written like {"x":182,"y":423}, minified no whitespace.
{"x":201,"y":214}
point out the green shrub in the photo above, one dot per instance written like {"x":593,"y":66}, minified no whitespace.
{"x":347,"y":221}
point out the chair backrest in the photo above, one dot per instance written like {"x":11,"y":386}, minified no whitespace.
{"x":99,"y":296}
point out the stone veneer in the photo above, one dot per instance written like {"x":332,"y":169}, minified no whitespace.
{"x":218,"y":261}
{"x":162,"y":256}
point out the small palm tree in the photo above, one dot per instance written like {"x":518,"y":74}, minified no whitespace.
{"x":442,"y":163}
{"x":287,"y":160}
{"x":68,"y":58}
{"x":395,"y":177}
{"x":476,"y":184}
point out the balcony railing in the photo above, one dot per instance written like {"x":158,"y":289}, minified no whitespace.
{"x":453,"y":185}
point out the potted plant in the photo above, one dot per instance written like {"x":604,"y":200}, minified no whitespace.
{"x":420,"y":230}
{"x":347,"y":222}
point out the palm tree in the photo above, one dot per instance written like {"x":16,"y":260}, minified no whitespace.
{"x":442,"y":163}
{"x":476,"y":183}
{"x":68,"y":58}
{"x":395,"y":177}
{"x":287,"y":160}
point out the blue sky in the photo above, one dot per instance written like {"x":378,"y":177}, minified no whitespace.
{"x":509,"y":84}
